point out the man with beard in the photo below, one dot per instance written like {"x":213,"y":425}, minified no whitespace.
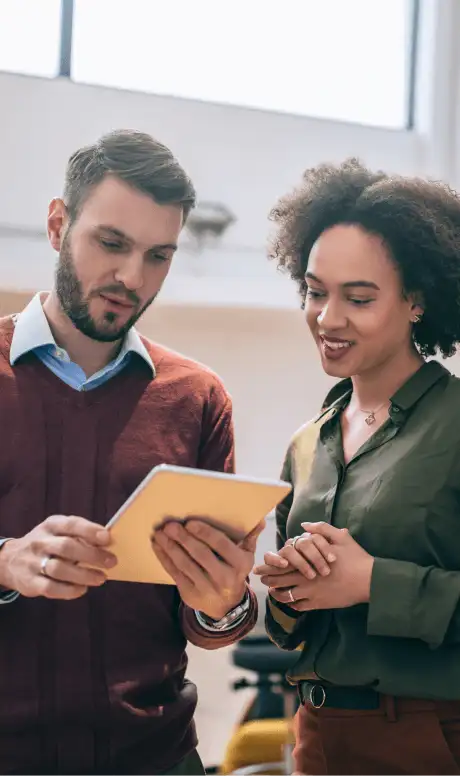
{"x":92,"y":676}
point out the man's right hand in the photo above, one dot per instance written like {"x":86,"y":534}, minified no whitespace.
{"x":45,"y":562}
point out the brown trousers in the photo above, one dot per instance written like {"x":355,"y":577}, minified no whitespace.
{"x":189,"y":766}
{"x":403,"y":736}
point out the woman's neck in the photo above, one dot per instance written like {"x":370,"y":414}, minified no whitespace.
{"x":373,"y":388}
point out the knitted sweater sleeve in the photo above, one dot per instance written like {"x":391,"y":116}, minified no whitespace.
{"x":217,"y":453}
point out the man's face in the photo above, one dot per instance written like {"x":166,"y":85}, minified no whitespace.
{"x":114,"y":258}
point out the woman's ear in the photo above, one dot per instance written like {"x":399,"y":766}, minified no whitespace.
{"x":417,"y":308}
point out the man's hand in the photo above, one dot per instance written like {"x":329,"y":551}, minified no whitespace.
{"x":209,"y":569}
{"x":65,"y":542}
{"x":347,"y":585}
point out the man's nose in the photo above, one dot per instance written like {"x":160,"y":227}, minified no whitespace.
{"x":131,"y":272}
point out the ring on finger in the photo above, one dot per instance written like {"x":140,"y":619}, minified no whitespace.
{"x":295,"y":540}
{"x":291,"y":596}
{"x":43,"y":564}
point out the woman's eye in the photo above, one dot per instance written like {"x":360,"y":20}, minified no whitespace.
{"x":360,"y":302}
{"x":314,"y":294}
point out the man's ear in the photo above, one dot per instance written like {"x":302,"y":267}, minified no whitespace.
{"x":57,"y":222}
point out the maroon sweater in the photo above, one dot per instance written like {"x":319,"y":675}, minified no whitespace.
{"x":97,"y":685}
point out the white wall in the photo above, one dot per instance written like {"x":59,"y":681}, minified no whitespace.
{"x":229,"y":308}
{"x":268,"y":364}
{"x":244,"y":158}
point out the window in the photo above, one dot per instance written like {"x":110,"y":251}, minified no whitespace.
{"x":335,"y":59}
{"x":30,"y":36}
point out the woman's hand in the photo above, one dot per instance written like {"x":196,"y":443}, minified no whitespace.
{"x":347,"y":585}
{"x":308,"y":554}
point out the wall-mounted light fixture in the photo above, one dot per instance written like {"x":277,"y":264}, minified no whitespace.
{"x":208,"y":222}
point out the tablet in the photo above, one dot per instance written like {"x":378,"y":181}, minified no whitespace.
{"x":233,"y":503}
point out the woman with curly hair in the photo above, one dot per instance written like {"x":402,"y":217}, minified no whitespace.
{"x":366,"y":580}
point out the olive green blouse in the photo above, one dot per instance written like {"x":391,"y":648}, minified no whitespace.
{"x":400,"y":499}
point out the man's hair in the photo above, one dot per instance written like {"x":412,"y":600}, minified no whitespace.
{"x":418,"y":221}
{"x":135,"y":158}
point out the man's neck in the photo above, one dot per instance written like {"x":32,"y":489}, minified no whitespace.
{"x":90,"y":355}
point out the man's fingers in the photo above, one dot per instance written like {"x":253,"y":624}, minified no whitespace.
{"x":180,"y":559}
{"x":49,"y":588}
{"x":329,"y":532}
{"x":179,"y":578}
{"x":199,"y":552}
{"x":249,"y":543}
{"x":75,"y":550}
{"x":62,"y":571}
{"x":63,"y":525}
{"x":216,"y":540}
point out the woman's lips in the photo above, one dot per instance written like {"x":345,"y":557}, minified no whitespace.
{"x":334,"y":348}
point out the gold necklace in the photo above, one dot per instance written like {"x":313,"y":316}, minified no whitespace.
{"x":370,"y":419}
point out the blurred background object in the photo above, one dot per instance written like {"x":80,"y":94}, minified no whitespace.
{"x":248,"y":94}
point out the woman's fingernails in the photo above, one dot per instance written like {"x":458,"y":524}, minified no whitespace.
{"x":331,"y":558}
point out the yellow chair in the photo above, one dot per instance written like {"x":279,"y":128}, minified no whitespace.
{"x":260,"y":742}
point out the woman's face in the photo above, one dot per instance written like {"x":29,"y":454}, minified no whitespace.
{"x":355,"y":306}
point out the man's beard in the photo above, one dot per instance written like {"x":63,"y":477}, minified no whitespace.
{"x":74,"y":304}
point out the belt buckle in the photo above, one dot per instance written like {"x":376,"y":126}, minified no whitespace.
{"x":315,"y":696}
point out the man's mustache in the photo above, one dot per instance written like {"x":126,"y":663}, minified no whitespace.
{"x":121,"y":291}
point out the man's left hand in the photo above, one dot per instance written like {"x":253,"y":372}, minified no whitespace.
{"x":209,"y":569}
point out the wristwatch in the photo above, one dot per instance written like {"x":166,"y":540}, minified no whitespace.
{"x":230,"y":620}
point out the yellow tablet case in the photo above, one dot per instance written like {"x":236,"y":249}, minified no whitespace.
{"x":230,"y":502}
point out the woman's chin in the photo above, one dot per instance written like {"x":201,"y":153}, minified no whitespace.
{"x":339,"y":369}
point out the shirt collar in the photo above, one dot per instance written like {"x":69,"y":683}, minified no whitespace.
{"x":405,"y":397}
{"x":32,"y":331}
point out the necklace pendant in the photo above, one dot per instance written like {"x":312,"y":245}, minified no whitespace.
{"x":370,"y":419}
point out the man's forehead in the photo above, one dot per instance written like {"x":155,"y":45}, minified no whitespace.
{"x":117,"y":206}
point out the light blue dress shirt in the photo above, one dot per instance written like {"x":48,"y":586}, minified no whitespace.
{"x":32,"y":334}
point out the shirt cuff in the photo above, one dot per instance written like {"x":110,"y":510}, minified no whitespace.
{"x":8,"y":596}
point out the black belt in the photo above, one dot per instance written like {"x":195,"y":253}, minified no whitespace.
{"x":317,"y":695}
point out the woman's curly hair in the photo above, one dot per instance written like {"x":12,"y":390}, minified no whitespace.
{"x":418,"y":220}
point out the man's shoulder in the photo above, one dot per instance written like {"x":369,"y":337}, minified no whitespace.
{"x":176,"y":368}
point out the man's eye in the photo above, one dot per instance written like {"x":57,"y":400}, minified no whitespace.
{"x":110,"y":245}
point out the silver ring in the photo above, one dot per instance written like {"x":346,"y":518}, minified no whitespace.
{"x":291,"y":597}
{"x":43,"y":564}
{"x":295,"y":540}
